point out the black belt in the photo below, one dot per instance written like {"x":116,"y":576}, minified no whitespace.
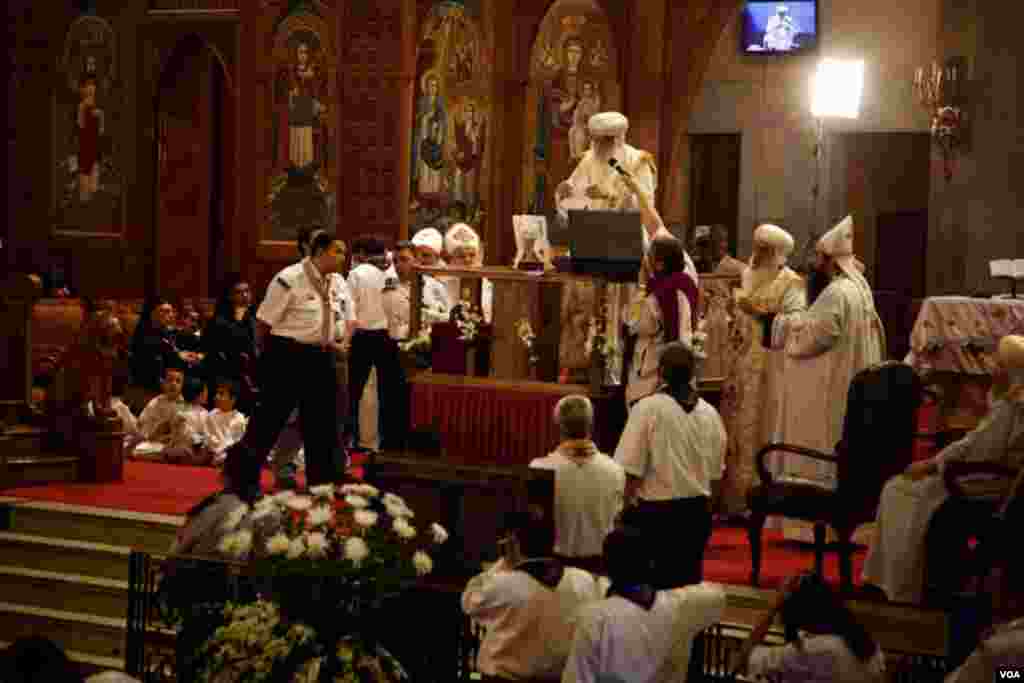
{"x":295,"y":343}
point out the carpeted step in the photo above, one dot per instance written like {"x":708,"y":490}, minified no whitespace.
{"x":95,"y":560}
{"x":56,"y":590}
{"x":86,"y":633}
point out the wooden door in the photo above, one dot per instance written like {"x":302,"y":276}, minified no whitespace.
{"x":715,"y":182}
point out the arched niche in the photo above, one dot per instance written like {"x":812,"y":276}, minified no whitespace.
{"x":574,"y":73}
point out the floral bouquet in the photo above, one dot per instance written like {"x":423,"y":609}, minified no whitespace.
{"x":699,"y":340}
{"x":469,"y":319}
{"x":526,"y":335}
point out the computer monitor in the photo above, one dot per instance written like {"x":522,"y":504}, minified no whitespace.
{"x":606,"y":243}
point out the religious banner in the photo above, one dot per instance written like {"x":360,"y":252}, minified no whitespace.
{"x":303,"y":180}
{"x":452,"y":108}
{"x":573,"y":75}
{"x":88,"y":193}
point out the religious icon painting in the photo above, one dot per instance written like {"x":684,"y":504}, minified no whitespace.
{"x":87,"y":188}
{"x":573,"y":76}
{"x":302,"y":187}
{"x":450,"y":118}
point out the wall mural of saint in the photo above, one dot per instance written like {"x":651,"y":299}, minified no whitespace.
{"x":87,"y":188}
{"x":450,"y":118}
{"x":303,"y":179}
{"x":573,"y":77}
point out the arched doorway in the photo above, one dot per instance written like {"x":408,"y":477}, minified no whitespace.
{"x":194,"y":153}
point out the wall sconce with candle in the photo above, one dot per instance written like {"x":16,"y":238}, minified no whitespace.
{"x":939,"y":89}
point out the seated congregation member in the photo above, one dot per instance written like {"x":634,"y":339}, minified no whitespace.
{"x":895,"y":560}
{"x":588,"y":486}
{"x":163,"y":418}
{"x":666,"y":314}
{"x":129,"y":423}
{"x":372,"y":347}
{"x":463,"y":246}
{"x":225,"y":425}
{"x":153,"y":345}
{"x":297,"y":367}
{"x":638,"y":633}
{"x":189,"y":335}
{"x":229,"y":342}
{"x":1002,"y":650}
{"x":188,"y":443}
{"x":528,"y":604}
{"x":824,"y":641}
{"x":428,"y":244}
{"x":673,"y":452}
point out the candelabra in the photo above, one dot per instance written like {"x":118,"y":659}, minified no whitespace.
{"x":939,"y":89}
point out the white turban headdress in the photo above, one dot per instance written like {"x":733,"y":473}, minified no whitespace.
{"x":430,"y":238}
{"x":838,"y":242}
{"x":775,"y":237}
{"x":461,"y":235}
{"x":608,"y":123}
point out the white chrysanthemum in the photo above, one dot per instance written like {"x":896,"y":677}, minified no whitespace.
{"x":357,"y":501}
{"x":392,"y":499}
{"x":236,"y":544}
{"x":284,"y":496}
{"x":296,"y":547}
{"x":398,"y":511}
{"x":261,"y":512}
{"x":316,"y":544}
{"x":439,"y":533}
{"x":403,"y":528}
{"x":320,"y":515}
{"x":300,"y":503}
{"x":278,"y":544}
{"x":356,"y":550}
{"x":267,"y":502}
{"x":422,"y":562}
{"x":346,"y":489}
{"x":235,"y":517}
{"x":365,"y":518}
{"x":322,"y":491}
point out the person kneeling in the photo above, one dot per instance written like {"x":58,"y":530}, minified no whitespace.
{"x":528,"y":603}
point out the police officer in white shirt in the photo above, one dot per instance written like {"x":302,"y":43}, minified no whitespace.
{"x":297,"y":367}
{"x":673,"y":451}
{"x":372,"y":345}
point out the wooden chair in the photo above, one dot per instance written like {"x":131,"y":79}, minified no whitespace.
{"x":877,"y":443}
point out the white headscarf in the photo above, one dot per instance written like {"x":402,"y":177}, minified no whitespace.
{"x":461,"y":235}
{"x":838,"y":243}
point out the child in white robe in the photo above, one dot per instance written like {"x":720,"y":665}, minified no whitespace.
{"x":162,"y":417}
{"x":188,"y":444}
{"x":225,"y":425}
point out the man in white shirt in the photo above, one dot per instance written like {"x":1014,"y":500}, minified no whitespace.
{"x":296,"y":323}
{"x":673,"y":452}
{"x":372,"y":346}
{"x":588,"y":486}
{"x":637,"y":633}
{"x":528,"y":605}
{"x":398,"y":294}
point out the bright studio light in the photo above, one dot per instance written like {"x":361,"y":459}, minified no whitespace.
{"x":837,"y":89}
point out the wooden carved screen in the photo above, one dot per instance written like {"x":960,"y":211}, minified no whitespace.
{"x":372,"y":106}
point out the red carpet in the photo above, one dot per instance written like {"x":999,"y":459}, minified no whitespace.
{"x":173,"y":489}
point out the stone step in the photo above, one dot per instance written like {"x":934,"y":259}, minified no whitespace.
{"x":56,"y":590}
{"x":87,"y":664}
{"x":135,"y":530}
{"x":86,"y":633}
{"x":42,"y":553}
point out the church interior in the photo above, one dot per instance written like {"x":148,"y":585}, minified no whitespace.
{"x":510,"y":233}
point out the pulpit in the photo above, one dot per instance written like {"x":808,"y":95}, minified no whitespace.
{"x":498,"y":409}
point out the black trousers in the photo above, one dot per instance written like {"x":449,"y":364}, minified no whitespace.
{"x":376,"y":349}
{"x":677,"y":533}
{"x":291,"y":374}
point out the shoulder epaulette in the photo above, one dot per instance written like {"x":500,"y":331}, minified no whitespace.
{"x":284,"y":283}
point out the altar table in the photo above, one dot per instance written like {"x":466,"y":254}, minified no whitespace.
{"x":954,"y":343}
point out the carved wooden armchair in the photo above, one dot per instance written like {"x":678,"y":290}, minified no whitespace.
{"x":877,"y":443}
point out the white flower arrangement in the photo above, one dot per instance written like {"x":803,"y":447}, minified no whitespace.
{"x":699,"y":339}
{"x":469,"y":320}
{"x":353,"y":532}
{"x":420,"y":342}
{"x":524,"y":330}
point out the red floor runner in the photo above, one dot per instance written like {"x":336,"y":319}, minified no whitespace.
{"x":173,"y":489}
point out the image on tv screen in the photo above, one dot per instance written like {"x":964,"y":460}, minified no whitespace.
{"x":776,"y":27}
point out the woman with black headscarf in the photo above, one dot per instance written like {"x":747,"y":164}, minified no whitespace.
{"x":230,"y":342}
{"x":153,"y":345}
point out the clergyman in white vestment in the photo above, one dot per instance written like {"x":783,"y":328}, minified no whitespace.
{"x":753,"y":389}
{"x":895,"y":561}
{"x":825,"y":346}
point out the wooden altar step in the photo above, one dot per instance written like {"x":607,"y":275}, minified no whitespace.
{"x":24,"y":459}
{"x":64,"y":574}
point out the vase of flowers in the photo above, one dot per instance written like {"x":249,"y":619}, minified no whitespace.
{"x":526,"y":335}
{"x":332,"y":558}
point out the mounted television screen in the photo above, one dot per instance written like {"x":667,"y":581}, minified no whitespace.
{"x":779,"y":28}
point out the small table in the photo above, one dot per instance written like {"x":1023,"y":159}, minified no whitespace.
{"x":954,"y":343}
